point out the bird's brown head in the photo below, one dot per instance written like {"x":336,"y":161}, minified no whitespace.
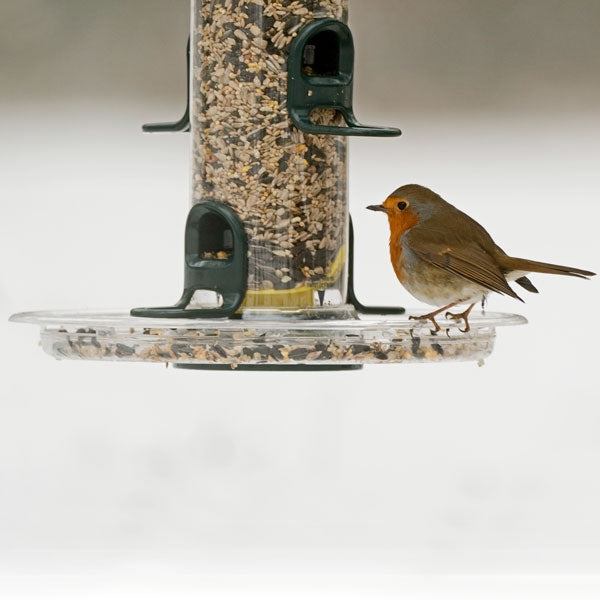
{"x":408,"y":205}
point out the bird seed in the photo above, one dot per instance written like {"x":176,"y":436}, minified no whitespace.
{"x":287,"y":187}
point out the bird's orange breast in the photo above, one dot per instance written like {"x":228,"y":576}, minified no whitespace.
{"x":397,"y":260}
{"x":400,"y":224}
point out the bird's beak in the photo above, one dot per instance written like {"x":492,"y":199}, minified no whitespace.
{"x":377,"y":207}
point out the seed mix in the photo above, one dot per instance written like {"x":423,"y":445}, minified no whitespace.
{"x":288,"y":187}
{"x":261,"y":347}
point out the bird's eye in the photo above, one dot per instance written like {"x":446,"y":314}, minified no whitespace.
{"x":401,"y":205}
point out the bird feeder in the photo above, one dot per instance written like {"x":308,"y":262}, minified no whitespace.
{"x":268,"y":243}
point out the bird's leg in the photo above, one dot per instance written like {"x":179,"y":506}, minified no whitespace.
{"x":464,"y":316}
{"x":432,"y":315}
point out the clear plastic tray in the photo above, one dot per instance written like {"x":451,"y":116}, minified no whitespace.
{"x":115,"y":335}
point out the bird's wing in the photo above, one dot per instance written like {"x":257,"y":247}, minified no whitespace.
{"x":465,"y":258}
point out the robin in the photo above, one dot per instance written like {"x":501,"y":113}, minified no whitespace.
{"x":445,"y":258}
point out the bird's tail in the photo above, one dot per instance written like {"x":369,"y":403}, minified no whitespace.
{"x":511,"y":263}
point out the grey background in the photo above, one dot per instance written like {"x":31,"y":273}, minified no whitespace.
{"x":428,"y":55}
{"x":445,"y":481}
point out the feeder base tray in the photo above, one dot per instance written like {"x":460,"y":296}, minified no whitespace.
{"x":260,"y":342}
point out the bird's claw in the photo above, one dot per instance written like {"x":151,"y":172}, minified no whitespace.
{"x":429,"y":317}
{"x":458,"y":316}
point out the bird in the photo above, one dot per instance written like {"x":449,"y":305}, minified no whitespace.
{"x":445,"y":258}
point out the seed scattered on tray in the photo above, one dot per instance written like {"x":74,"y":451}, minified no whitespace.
{"x":243,"y":345}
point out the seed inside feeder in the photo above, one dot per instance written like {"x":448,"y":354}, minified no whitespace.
{"x":287,"y":187}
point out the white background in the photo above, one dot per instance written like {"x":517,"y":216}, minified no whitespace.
{"x":426,"y":481}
